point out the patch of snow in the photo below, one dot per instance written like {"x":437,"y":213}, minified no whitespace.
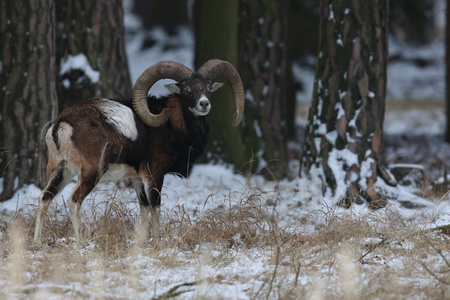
{"x":139,"y":59}
{"x":331,"y":15}
{"x":79,"y":62}
{"x":407,"y":78}
{"x":337,"y":159}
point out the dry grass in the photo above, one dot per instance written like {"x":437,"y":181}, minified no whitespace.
{"x":348,"y":256}
{"x":248,"y":223}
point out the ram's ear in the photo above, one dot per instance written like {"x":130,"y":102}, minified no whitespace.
{"x":173,"y":87}
{"x":215,"y":86}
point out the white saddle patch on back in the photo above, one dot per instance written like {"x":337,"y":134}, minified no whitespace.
{"x":121,"y":117}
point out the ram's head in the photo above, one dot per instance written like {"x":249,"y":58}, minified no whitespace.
{"x":193,"y":87}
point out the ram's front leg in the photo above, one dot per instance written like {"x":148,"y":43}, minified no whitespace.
{"x":153,"y":189}
{"x":150,"y":199}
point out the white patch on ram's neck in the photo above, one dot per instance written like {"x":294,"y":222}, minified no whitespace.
{"x":121,"y":117}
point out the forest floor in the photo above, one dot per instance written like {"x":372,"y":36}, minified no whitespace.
{"x":229,"y":236}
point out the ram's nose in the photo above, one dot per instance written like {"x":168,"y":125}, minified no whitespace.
{"x":204,"y":103}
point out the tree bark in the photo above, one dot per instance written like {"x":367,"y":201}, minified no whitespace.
{"x":169,"y":14}
{"x":447,"y":59}
{"x":28,"y":98}
{"x":265,"y":71}
{"x":217,"y":37}
{"x":344,"y":139}
{"x":90,"y":37}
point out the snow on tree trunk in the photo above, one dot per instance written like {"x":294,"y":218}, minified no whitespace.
{"x":344,"y":141}
{"x":27,"y":90}
{"x":91,"y":58}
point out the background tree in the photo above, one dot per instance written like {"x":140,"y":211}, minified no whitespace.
{"x":344,"y":138}
{"x":91,"y":59}
{"x":252,"y":35}
{"x":266,"y":73}
{"x":216,"y":31}
{"x":413,"y":20}
{"x":70,"y":49}
{"x":168,"y":14}
{"x":447,"y":59}
{"x":28,"y":98}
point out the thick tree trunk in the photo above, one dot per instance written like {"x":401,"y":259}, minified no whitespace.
{"x":447,"y":59}
{"x":265,"y":71}
{"x":27,"y":95}
{"x":344,"y":139}
{"x":217,"y":37}
{"x":90,"y":50}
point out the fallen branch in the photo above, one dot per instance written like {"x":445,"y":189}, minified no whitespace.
{"x":383,"y":240}
{"x":176,"y":291}
{"x":447,"y":263}
{"x":445,"y":229}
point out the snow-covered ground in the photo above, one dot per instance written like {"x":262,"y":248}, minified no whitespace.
{"x":234,"y":273}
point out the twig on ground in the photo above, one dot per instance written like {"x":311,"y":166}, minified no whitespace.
{"x":175,"y":292}
{"x":432,"y":273}
{"x":372,"y":248}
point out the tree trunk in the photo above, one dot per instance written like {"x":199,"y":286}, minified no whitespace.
{"x":447,"y":59}
{"x":28,"y":98}
{"x":344,"y":139}
{"x":90,"y":50}
{"x":169,"y":14}
{"x":413,"y":21}
{"x":217,"y":37}
{"x":265,"y":71}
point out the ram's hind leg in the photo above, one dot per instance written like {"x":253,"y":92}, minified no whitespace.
{"x":59,"y":177}
{"x":155,"y":205}
{"x":85,"y":185}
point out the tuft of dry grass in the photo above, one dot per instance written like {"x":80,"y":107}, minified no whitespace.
{"x":248,"y":223}
{"x":111,"y":227}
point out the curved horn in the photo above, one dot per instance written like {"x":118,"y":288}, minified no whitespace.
{"x":154,"y":73}
{"x":216,"y":68}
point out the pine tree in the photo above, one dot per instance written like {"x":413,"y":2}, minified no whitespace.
{"x":447,"y":58}
{"x":32,"y":79}
{"x":344,"y":139}
{"x":217,"y":37}
{"x":265,"y":72}
{"x":91,"y":59}
{"x":252,"y":35}
{"x":27,"y":94}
